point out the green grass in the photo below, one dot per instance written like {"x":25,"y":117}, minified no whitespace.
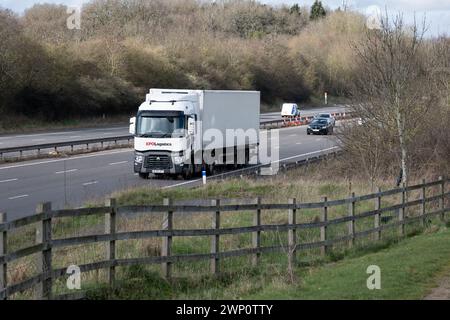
{"x":408,"y":271}
{"x":227,"y":189}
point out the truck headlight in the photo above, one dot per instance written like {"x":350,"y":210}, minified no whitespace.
{"x":178,"y":160}
{"x":139,"y":159}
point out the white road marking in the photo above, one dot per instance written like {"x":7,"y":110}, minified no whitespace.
{"x":18,"y":197}
{"x":37,"y":140}
{"x":60,"y":160}
{"x":9,"y":180}
{"x":73,"y":137}
{"x":299,"y":143}
{"x":67,"y":171}
{"x":90,"y":183}
{"x":116,"y":163}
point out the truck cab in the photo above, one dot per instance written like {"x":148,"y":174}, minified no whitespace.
{"x":164,"y":131}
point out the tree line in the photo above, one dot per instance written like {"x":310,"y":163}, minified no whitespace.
{"x":125,"y":47}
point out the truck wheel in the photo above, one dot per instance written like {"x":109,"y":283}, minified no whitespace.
{"x":188,"y":173}
{"x":143,"y":175}
{"x":211,"y":170}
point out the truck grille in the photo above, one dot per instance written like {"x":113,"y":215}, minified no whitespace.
{"x":160,"y":162}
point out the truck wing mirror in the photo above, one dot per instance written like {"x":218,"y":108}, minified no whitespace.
{"x":191,"y":126}
{"x":133,"y":125}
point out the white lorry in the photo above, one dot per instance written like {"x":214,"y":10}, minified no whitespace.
{"x":182,"y":132}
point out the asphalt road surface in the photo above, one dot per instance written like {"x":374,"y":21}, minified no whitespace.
{"x":19,"y":140}
{"x":73,"y":181}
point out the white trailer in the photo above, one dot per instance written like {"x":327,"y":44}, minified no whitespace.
{"x":181,"y":132}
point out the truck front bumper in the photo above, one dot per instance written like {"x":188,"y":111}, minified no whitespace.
{"x":157,"y":163}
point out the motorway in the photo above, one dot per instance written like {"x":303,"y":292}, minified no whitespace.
{"x":73,"y":181}
{"x":19,"y":140}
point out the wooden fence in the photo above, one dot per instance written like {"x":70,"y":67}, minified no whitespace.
{"x":45,"y":243}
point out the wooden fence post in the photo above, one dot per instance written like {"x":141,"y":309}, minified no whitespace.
{"x":215,"y":239}
{"x":110,"y":228}
{"x":292,"y":236}
{"x":3,"y":252}
{"x":442,"y":200}
{"x":256,"y":236}
{"x":166,"y":250}
{"x":44,"y":259}
{"x":351,"y":223}
{"x":377,"y":222}
{"x":423,"y":210}
{"x":401,"y":213}
{"x":323,"y":229}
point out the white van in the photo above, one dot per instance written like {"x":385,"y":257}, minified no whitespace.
{"x":290,"y":110}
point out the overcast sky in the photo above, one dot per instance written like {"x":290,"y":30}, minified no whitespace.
{"x":437,"y":11}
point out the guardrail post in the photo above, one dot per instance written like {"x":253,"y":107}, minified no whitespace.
{"x":44,"y":259}
{"x":166,"y":250}
{"x":215,"y":239}
{"x":256,"y":236}
{"x":401,"y":213}
{"x":423,"y":204}
{"x":110,"y":228}
{"x":3,"y":252}
{"x":323,"y":229}
{"x":292,"y":233}
{"x":442,"y":200}
{"x":377,"y":222}
{"x":351,"y":223}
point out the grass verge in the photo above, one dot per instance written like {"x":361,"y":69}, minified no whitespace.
{"x":408,"y":271}
{"x":238,"y":278}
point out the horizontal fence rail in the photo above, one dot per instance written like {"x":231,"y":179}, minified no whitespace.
{"x":265,"y":124}
{"x":46,"y":241}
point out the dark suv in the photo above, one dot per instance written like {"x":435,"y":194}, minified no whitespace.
{"x":320,"y":126}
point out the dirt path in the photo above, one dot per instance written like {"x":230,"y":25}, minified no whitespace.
{"x":442,"y":292}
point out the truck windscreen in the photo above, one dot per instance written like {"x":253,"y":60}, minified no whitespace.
{"x":158,"y":125}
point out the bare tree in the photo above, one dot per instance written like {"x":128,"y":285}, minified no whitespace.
{"x":392,"y":90}
{"x":368,"y":146}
